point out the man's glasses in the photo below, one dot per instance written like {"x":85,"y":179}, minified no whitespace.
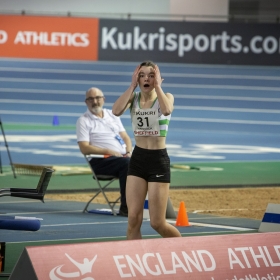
{"x":90,"y":99}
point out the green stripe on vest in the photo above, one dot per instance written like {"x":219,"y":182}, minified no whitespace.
{"x":166,"y":121}
{"x":163,"y":133}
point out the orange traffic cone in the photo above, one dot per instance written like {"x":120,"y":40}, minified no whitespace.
{"x":182,"y":218}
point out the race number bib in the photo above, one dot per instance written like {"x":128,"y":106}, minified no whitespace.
{"x":145,"y":122}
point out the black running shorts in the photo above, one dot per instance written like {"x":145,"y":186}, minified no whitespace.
{"x":151,"y":165}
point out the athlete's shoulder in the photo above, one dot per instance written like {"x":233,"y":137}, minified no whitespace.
{"x":168,"y":94}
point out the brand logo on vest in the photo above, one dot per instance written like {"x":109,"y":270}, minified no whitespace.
{"x":83,"y":268}
{"x":143,"y":113}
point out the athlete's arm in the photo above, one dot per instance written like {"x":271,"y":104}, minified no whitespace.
{"x":124,"y":101}
{"x":166,"y":101}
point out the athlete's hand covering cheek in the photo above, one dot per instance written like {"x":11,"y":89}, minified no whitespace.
{"x":135,"y":77}
{"x":158,"y":80}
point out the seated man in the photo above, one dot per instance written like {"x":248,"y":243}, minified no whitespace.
{"x":100,"y":132}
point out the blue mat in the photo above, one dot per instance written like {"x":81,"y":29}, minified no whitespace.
{"x":103,"y":211}
{"x":13,"y":223}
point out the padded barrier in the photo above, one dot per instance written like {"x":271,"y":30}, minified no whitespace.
{"x":15,"y":224}
{"x":102,"y":211}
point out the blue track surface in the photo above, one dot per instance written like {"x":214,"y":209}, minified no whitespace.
{"x":65,"y":220}
{"x":222,"y":113}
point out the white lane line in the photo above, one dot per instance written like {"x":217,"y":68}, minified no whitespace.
{"x":37,"y":113}
{"x":168,"y":220}
{"x":213,"y":218}
{"x":116,"y":73}
{"x":255,"y":88}
{"x":224,"y":121}
{"x":107,"y":83}
{"x":213,"y":226}
{"x":222,"y":97}
{"x":115,"y":238}
{"x":70,"y":81}
{"x":66,"y":71}
{"x":185,"y":96}
{"x":114,"y":63}
{"x":225,"y":109}
{"x":79,"y":224}
{"x":221,"y":76}
{"x":49,"y":152}
{"x":220,"y":226}
{"x":204,"y":233}
{"x":225,"y":210}
{"x":195,"y":108}
{"x":45,"y":102}
{"x":45,"y":91}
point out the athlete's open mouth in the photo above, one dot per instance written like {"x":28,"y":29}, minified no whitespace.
{"x":146,"y":85}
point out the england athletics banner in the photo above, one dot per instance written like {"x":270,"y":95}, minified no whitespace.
{"x":48,"y":37}
{"x":225,"y":257}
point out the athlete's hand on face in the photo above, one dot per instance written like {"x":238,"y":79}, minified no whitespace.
{"x":135,"y":77}
{"x":158,"y":80}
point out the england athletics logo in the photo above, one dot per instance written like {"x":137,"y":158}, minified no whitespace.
{"x":79,"y":273}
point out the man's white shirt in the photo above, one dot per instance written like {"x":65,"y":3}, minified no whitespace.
{"x":100,"y":132}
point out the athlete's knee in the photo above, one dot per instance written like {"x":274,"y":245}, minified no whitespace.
{"x":134,"y":220}
{"x":157,"y":225}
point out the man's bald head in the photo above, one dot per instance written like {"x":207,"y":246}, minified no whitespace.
{"x":94,"y":91}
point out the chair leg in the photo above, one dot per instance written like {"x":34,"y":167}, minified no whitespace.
{"x":111,"y":204}
{"x":88,"y":203}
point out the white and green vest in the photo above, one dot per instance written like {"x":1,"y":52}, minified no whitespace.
{"x":150,"y":121}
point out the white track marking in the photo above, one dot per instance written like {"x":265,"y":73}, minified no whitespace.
{"x":213,"y":226}
{"x":184,"y":96}
{"x":107,"y":83}
{"x":114,"y":73}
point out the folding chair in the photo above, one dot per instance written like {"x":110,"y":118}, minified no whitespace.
{"x":102,"y":189}
{"x":37,"y":193}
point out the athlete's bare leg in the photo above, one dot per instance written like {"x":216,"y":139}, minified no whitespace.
{"x":158,"y":196}
{"x":136,"y":191}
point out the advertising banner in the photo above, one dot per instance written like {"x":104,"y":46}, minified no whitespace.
{"x":48,"y":37}
{"x":225,"y":257}
{"x":134,"y":40}
{"x":189,"y":42}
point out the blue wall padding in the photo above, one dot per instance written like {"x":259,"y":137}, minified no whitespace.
{"x":146,"y":204}
{"x":271,"y":218}
{"x":13,"y":224}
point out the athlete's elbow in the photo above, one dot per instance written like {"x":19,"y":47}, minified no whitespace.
{"x":167,"y":112}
